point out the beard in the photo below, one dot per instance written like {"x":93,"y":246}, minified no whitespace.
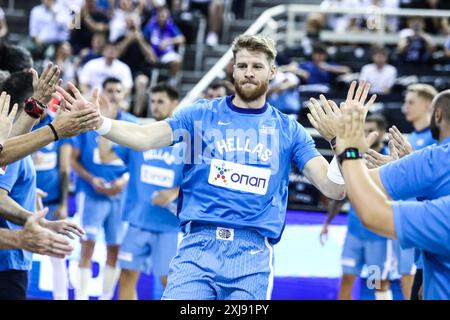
{"x":249,"y":95}
{"x":435,"y":131}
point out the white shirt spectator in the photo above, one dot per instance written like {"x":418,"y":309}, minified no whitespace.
{"x":380,"y":80}
{"x":96,"y":71}
{"x":117,"y":25}
{"x":50,"y":25}
{"x":342,"y":22}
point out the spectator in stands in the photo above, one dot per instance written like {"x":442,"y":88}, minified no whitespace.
{"x":319,"y":71}
{"x":95,"y":51}
{"x":447,"y":49}
{"x":213,"y":10}
{"x":66,"y":62}
{"x":93,"y":21}
{"x":343,"y":22}
{"x":49,"y":24}
{"x":3,"y":26}
{"x":137,"y":53}
{"x":217,"y":89}
{"x":118,"y":24}
{"x":98,"y":70}
{"x":379,"y":74}
{"x":315,"y":22}
{"x":164,"y":35}
{"x":283,"y":92}
{"x":415,"y":46}
{"x":435,"y":25}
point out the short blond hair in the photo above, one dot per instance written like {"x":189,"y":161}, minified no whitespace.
{"x":257,"y":43}
{"x":425,"y":91}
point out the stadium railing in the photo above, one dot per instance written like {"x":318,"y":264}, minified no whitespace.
{"x":282,"y":24}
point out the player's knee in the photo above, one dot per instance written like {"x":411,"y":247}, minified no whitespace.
{"x":164,"y":281}
{"x":112,"y":253}
{"x":347,"y":280}
{"x":87,"y":249}
{"x":384,"y":285}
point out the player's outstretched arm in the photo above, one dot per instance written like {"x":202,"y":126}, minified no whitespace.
{"x":316,"y":171}
{"x":138,"y":137}
{"x":370,"y":203}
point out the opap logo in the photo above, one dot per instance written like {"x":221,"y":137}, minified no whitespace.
{"x":240,"y":177}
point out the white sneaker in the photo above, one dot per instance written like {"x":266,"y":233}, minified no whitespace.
{"x":212,"y":39}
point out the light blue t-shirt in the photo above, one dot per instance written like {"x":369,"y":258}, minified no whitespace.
{"x":421,"y":139}
{"x":150,"y":171}
{"x":354,"y":224}
{"x":46,"y":162}
{"x":19,"y":179}
{"x":426,"y":225}
{"x":422,"y":175}
{"x":87,"y":143}
{"x":237,"y":164}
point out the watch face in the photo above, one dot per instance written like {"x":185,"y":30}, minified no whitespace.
{"x":351,"y":154}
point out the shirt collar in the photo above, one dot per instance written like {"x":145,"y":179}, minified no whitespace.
{"x":232,"y":106}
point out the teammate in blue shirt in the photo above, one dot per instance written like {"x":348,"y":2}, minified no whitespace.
{"x":17,"y":204}
{"x":52,"y":165}
{"x":100,"y":195}
{"x":152,"y":236}
{"x":424,"y":225}
{"x":417,"y":109}
{"x":235,"y":178}
{"x":362,"y":246}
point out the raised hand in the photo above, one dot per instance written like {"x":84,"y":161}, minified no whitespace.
{"x":6,"y":121}
{"x":359,"y":97}
{"x":351,"y":129}
{"x":44,"y":86}
{"x":76,"y":101}
{"x":402,"y":146}
{"x":375,"y":159}
{"x":71,"y":123}
{"x":325,"y":115}
{"x":324,"y":119}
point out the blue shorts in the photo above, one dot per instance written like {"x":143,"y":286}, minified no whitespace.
{"x":218,"y":263}
{"x":372,"y":253}
{"x":101,"y":212}
{"x":146,"y":251}
{"x":404,"y":259}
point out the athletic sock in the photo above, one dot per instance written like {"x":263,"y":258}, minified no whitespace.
{"x":60,"y":280}
{"x":383,"y":295}
{"x":81,"y":293}
{"x":110,"y":279}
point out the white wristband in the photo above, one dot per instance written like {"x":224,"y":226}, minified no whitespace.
{"x":334,"y":173}
{"x":105,"y":127}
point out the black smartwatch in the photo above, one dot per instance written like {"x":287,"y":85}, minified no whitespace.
{"x":349,"y":154}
